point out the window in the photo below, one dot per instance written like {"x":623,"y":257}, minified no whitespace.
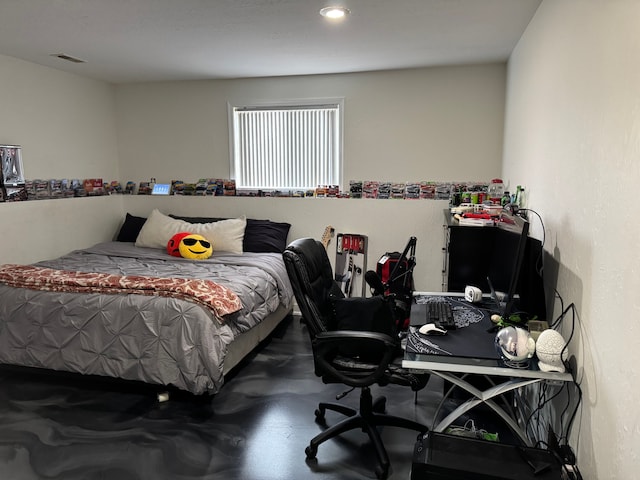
{"x":286,"y":146}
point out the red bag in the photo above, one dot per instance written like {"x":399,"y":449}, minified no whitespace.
{"x":397,"y":274}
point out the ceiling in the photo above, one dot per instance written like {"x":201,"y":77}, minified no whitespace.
{"x":123,"y":41}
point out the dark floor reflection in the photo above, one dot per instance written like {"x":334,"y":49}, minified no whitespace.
{"x":59,"y":428}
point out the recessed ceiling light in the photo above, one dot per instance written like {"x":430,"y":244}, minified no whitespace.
{"x":334,"y":12}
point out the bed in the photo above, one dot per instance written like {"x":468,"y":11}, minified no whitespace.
{"x":157,"y":337}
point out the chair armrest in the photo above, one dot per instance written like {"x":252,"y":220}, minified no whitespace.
{"x":336,"y":335}
{"x":327,"y":345}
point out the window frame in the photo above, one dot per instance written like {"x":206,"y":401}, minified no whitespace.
{"x":284,"y":104}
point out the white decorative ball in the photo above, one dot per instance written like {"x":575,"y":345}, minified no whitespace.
{"x":551,"y":351}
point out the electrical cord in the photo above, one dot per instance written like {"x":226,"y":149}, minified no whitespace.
{"x":577,"y":401}
{"x":540,"y":259}
{"x":576,"y":383}
{"x":542,"y":402}
{"x":573,"y":414}
{"x":557,"y":323}
{"x":572,"y":472}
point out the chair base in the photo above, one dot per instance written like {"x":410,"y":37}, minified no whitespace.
{"x":370,"y":416}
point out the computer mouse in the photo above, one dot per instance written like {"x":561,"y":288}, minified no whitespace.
{"x":431,"y":329}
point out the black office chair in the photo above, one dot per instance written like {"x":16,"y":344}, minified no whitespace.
{"x":355,"y":358}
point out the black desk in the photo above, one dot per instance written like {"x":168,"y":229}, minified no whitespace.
{"x":466,"y":352}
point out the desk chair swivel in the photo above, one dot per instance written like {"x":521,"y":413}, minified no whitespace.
{"x":354,"y":358}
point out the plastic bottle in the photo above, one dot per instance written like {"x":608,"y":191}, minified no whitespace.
{"x":519,"y":200}
{"x":506,"y":199}
{"x":495,"y":191}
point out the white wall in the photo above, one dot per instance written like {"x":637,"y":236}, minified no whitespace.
{"x":440,"y":124}
{"x":572,"y":137}
{"x":43,"y":229}
{"x":424,"y":124}
{"x":66,"y":126}
{"x":65,"y":123}
{"x":388,"y":224}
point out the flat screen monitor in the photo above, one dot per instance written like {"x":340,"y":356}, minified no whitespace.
{"x":161,"y":189}
{"x":506,"y":261}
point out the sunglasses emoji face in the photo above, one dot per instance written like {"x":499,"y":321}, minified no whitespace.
{"x":173,"y":245}
{"x":195,"y":246}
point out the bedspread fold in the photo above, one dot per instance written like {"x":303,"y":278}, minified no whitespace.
{"x":218,"y":298}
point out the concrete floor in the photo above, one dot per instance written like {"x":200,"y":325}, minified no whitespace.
{"x":60,"y":427}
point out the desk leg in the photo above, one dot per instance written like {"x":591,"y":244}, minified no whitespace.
{"x":484,"y":396}
{"x":452,"y":388}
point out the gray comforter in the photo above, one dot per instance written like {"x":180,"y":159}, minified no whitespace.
{"x":159,"y":340}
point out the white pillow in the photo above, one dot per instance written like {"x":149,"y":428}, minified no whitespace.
{"x":225,"y":235}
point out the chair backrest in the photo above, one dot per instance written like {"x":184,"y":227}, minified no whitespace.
{"x":313,"y":283}
{"x":340,"y":328}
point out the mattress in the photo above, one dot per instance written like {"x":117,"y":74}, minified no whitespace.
{"x":156,"y":339}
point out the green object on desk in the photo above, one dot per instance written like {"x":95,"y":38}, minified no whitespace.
{"x":514,"y":320}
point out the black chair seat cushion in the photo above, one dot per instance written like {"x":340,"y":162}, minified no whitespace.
{"x":394,"y":374}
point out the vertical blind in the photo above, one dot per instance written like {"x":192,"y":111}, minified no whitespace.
{"x":286,"y":147}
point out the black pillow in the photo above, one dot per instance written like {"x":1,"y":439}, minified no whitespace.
{"x":265,"y":236}
{"x":130,"y":228}
{"x":197,"y":219}
{"x":260,"y":236}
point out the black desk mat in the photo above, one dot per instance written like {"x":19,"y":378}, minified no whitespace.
{"x":470,"y":339}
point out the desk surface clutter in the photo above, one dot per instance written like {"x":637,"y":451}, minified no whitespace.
{"x":468,"y":348}
{"x":474,"y":342}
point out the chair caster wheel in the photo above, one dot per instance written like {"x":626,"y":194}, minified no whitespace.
{"x":381,"y":472}
{"x":380,"y":405}
{"x":311,"y":452}
{"x":319,"y":415}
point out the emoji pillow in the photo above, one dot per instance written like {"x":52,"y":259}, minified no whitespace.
{"x":173,"y":245}
{"x":195,"y":246}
